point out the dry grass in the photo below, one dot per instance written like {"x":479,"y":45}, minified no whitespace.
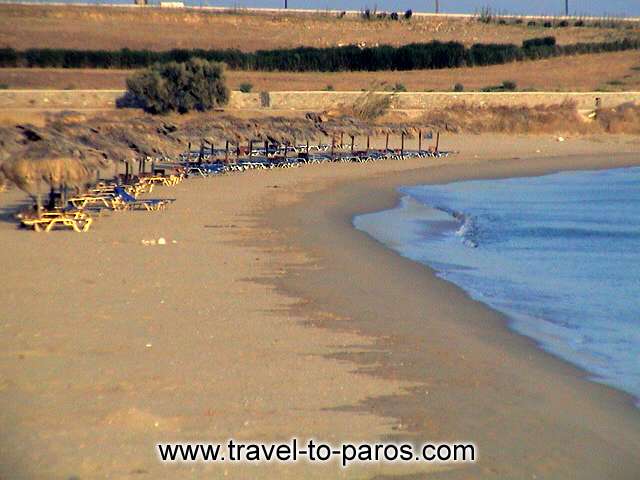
{"x":31,"y":26}
{"x":542,"y":119}
{"x":622,"y":119}
{"x":369,"y":106}
{"x":583,"y":73}
{"x":472,"y":118}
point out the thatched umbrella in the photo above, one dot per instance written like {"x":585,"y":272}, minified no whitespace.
{"x":39,"y":156}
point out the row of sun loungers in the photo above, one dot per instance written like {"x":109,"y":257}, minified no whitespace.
{"x":205,"y":169}
{"x":117,"y":197}
{"x":75,"y":215}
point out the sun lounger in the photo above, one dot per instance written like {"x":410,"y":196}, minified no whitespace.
{"x":47,"y":221}
{"x":130,"y":202}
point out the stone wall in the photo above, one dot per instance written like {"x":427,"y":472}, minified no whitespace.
{"x":316,"y":101}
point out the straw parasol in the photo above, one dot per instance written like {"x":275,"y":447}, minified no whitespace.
{"x":39,"y":157}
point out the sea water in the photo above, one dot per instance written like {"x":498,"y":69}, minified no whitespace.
{"x":558,"y":254}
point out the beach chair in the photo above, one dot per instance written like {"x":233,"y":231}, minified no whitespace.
{"x":78,"y":221}
{"x":130,"y":202}
{"x":106,"y":199}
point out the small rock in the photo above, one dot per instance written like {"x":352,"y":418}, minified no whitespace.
{"x":561,"y":139}
{"x":162,"y":241}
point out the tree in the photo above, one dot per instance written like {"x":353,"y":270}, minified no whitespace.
{"x":192,"y":85}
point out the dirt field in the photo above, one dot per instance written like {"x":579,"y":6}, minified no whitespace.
{"x":615,"y":72}
{"x":23,"y":26}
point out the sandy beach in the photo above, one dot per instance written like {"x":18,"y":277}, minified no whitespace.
{"x":267,"y":316}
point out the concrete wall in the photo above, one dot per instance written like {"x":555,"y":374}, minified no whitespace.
{"x":315,"y":101}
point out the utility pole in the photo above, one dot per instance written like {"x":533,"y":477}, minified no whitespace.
{"x":566,"y":8}
{"x":437,"y":7}
{"x":286,"y":4}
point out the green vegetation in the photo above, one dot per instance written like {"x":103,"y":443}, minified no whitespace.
{"x":415,"y":56}
{"x":246,"y":87}
{"x":458,"y":87}
{"x":506,"y":86}
{"x":329,"y":88}
{"x":193,"y":85}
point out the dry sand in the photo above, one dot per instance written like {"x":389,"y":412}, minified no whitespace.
{"x":272,"y":317}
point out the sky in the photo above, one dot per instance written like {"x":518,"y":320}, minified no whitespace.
{"x":536,"y":7}
{"x":519,"y":7}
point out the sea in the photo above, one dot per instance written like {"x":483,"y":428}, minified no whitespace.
{"x":558,"y":254}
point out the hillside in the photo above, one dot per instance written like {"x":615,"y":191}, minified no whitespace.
{"x":37,"y":26}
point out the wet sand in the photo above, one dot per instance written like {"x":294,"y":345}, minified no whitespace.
{"x":272,"y":317}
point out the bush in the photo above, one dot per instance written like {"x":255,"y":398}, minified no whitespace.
{"x":506,"y":86}
{"x":458,"y":87}
{"x":193,"y":85}
{"x":399,"y":87}
{"x":370,"y":106}
{"x":328,"y":88}
{"x":531,"y":23}
{"x":408,"y":14}
{"x":563,"y":23}
{"x":246,"y":87}
{"x":394,"y":16}
{"x":579,"y":23}
{"x":8,"y":57}
{"x":431,"y":55}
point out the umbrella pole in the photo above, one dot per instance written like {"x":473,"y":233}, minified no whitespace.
{"x":250,"y":148}
{"x":307,"y":149}
{"x":353,"y":141}
{"x":266,"y":148}
{"x":237,"y":151}
{"x":386,"y":144}
{"x":402,"y":145}
{"x":333,"y":146}
{"x":437,"y":141}
{"x":341,"y":139}
{"x":420,"y":141}
{"x":226,"y":152}
{"x":38,"y":200}
{"x":368,"y":139}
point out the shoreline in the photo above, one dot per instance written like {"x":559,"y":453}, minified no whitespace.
{"x":272,"y":317}
{"x":383,"y":195}
{"x":454,"y":222}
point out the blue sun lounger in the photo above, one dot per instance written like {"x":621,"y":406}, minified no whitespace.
{"x":128,"y":201}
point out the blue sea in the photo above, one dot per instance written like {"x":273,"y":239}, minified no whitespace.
{"x":558,"y":254}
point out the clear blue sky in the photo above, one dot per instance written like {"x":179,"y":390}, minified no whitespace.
{"x":545,"y":7}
